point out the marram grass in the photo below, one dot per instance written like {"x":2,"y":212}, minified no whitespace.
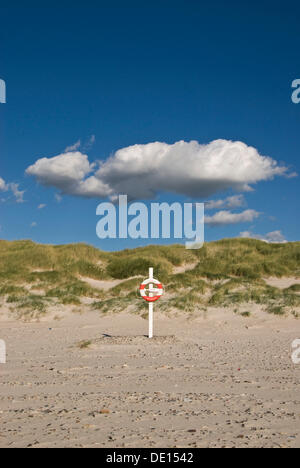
{"x":227,"y":273}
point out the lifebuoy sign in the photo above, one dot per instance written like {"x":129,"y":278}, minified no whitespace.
{"x":151,"y":290}
{"x":147,"y":293}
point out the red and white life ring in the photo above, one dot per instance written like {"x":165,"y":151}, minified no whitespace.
{"x":158,"y":291}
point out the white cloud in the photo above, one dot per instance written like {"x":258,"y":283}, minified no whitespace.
{"x":223,"y":218}
{"x":41,"y":206}
{"x":85,"y":147}
{"x":88,"y":145}
{"x":229,"y":203}
{"x":67,"y":172}
{"x":3,"y":186}
{"x":141,"y":171}
{"x":271,"y":237}
{"x":18,"y":194}
{"x":33,"y":225}
{"x":74,"y":147}
{"x":14,"y":189}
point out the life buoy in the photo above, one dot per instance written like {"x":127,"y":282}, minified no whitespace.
{"x":159,"y":290}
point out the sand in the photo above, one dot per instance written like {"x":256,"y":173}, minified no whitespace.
{"x":282,"y":283}
{"x":104,"y":285}
{"x":220,"y":381}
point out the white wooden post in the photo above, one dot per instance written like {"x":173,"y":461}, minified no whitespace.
{"x":151,"y":306}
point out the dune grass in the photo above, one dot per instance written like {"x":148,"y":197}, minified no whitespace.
{"x":224,"y":273}
{"x":294,"y":288}
{"x":84,"y":344}
{"x":75,"y":288}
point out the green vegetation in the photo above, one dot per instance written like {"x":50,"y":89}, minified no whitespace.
{"x":228,"y":273}
{"x":114,"y":305}
{"x":293,"y":288}
{"x":128,"y":287}
{"x":11,"y":289}
{"x":73,"y":288}
{"x":246,"y":314}
{"x":123,"y":268}
{"x":84,"y":344}
{"x":187,"y":302}
{"x":249,"y":259}
{"x":276,"y":310}
{"x":71,"y":300}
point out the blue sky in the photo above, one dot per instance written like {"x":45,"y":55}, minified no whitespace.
{"x":131,"y":73}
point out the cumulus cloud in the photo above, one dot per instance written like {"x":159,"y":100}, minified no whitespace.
{"x":275,"y":237}
{"x":229,"y":203}
{"x":223,"y":218}
{"x":41,"y":206}
{"x":68,"y":172}
{"x":142,"y":171}
{"x":63,"y":170}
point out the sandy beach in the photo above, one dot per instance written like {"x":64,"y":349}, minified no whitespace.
{"x":92,"y":381}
